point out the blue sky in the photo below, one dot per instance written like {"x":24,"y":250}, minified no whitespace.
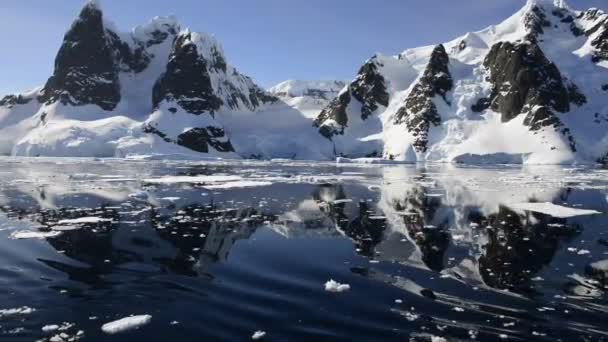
{"x":270,"y":40}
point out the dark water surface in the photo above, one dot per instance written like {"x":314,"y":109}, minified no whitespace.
{"x":226,"y":249}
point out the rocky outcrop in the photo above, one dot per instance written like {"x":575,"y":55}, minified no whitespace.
{"x":535,"y":22}
{"x":187,"y":80}
{"x":333,"y":119}
{"x":85,"y":68}
{"x":369,"y":89}
{"x":419,"y":111}
{"x":11,"y":100}
{"x":600,"y":43}
{"x":197,"y":139}
{"x":200,"y":139}
{"x":525,"y":81}
{"x":598,"y":31}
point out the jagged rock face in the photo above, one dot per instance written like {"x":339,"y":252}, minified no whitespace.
{"x":336,"y":111}
{"x":535,"y":22}
{"x":369,"y":88}
{"x":600,"y":41}
{"x":129,"y":60}
{"x":601,"y":44}
{"x":85,"y":69}
{"x":12,"y":100}
{"x":525,"y":81}
{"x":187,"y":80}
{"x":199,"y":139}
{"x":419,"y":111}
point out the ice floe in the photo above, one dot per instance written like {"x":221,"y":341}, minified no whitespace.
{"x":28,"y":234}
{"x":258,"y":335}
{"x":334,"y":286}
{"x":85,"y":220}
{"x":553,"y":209}
{"x":126,"y":324}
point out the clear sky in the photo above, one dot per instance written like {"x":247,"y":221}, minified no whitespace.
{"x":269,"y":40}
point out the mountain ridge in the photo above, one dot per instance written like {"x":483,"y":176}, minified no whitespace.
{"x":531,"y":90}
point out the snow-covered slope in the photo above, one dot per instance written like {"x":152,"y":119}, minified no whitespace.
{"x":531,"y":89}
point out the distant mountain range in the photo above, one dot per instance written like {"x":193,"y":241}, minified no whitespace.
{"x":532,"y":89}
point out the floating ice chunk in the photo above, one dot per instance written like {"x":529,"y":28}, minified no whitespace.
{"x":192,"y":179}
{"x":438,"y":339}
{"x":50,"y":328}
{"x":28,"y":234}
{"x":171,"y":199}
{"x":258,"y":335}
{"x":24,"y":310}
{"x":334,"y":286}
{"x":85,"y":220}
{"x":238,"y":185}
{"x":126,"y":324}
{"x":553,"y":209}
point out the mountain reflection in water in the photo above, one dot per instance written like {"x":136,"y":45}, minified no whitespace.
{"x":429,"y":252}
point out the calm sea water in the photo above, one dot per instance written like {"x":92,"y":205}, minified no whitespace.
{"x":220,"y":250}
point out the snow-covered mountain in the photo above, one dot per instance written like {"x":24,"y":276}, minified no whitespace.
{"x":531,"y":89}
{"x":159,"y":89}
{"x":309,"y":97}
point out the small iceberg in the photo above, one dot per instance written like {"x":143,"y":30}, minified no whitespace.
{"x":126,"y":324}
{"x":335,"y":287}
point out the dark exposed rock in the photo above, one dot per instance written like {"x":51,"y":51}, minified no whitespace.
{"x":419,"y":111}
{"x":525,"y":81}
{"x":336,"y":110}
{"x":153,"y":130}
{"x":258,"y":96}
{"x":158,"y":37}
{"x":369,"y":88}
{"x":128,"y":60}
{"x":11,"y":100}
{"x":535,"y":22}
{"x":600,"y":43}
{"x":605,"y":87}
{"x":85,"y":69}
{"x":481,"y":105}
{"x":199,"y":139}
{"x":575,"y":95}
{"x":187,"y":80}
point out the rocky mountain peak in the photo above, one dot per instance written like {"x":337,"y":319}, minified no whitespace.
{"x":85,"y":68}
{"x":420,"y":111}
{"x":369,"y":88}
{"x":186,"y":80}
